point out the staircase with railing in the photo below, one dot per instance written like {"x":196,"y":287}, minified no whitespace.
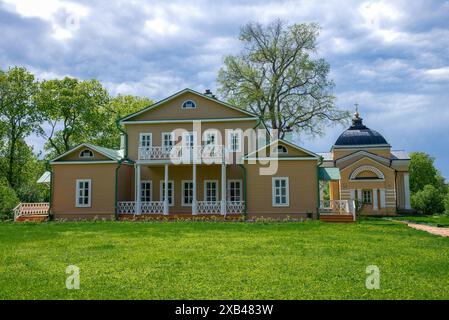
{"x":31,"y":211}
{"x":337,"y":210}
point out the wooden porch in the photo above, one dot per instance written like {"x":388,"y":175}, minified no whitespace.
{"x":36,"y":212}
{"x":337,"y":210}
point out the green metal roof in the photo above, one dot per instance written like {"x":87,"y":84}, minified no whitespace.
{"x":326,"y":174}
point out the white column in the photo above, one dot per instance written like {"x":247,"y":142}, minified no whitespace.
{"x":382,"y":198}
{"x":138,"y":190}
{"x":407,"y":190}
{"x":194,"y":207}
{"x":359,"y":195}
{"x":352,"y":192}
{"x":375,"y":205}
{"x":223,"y":189}
{"x":166,"y":190}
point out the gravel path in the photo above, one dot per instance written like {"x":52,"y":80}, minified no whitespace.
{"x":444,"y":232}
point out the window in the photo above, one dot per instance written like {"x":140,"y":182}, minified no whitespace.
{"x":145,"y":140}
{"x":171,"y":194}
{"x":189,"y":104}
{"x":187,"y":192}
{"x":83,"y":193}
{"x":280,"y":192}
{"x":168,"y":140}
{"x":235,"y":140}
{"x":210,"y":138}
{"x":280,"y":149}
{"x":86,"y":154}
{"x":367,"y":197}
{"x":210,"y":190}
{"x":146,"y":191}
{"x":234,"y":190}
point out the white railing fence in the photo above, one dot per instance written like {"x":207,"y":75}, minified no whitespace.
{"x":146,"y":207}
{"x":209,"y":207}
{"x":338,"y":207}
{"x":31,"y":209}
{"x":235,"y":207}
{"x":152,"y":207}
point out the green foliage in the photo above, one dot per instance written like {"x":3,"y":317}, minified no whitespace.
{"x":213,"y":260}
{"x":76,"y":105}
{"x":117,"y":108}
{"x":277,"y":77}
{"x":423,"y":172}
{"x":446,"y":204}
{"x":8,"y":200}
{"x":429,"y":200}
{"x":19,"y":117}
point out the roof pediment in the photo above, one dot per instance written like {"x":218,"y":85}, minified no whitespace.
{"x":202,"y":107}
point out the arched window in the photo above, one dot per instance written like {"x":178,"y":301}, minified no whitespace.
{"x":86,"y":154}
{"x":188,"y":104}
{"x":280,"y":149}
{"x":366,"y":173}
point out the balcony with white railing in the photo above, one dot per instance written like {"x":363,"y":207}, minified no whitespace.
{"x":184,"y":154}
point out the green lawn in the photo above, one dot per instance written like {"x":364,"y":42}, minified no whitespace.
{"x":436,"y":220}
{"x":213,"y":260}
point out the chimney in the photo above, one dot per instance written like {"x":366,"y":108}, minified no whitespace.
{"x":209,"y":93}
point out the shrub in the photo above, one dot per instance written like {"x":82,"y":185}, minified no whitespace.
{"x":446,"y":204}
{"x":429,"y":200}
{"x":8,"y":200}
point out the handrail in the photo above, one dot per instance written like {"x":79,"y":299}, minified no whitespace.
{"x":206,"y":153}
{"x":28,"y":208}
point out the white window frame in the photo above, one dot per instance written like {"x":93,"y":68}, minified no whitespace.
{"x":81,"y":154}
{"x":89,"y":196}
{"x":210,"y":132}
{"x":287,"y":192}
{"x":189,"y":100}
{"x":228,"y":191}
{"x":370,"y":192}
{"x":145,"y":134}
{"x":217,"y":193}
{"x":188,"y":134}
{"x":164,"y":140}
{"x":230,"y":140}
{"x":142,"y":190}
{"x":161,"y":192}
{"x":183,"y":195}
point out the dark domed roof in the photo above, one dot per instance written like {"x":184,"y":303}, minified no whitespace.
{"x":359,"y":134}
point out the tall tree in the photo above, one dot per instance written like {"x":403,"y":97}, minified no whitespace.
{"x":117,"y":108}
{"x":19,"y":117}
{"x":277,"y":77}
{"x":423,"y":172}
{"x":72,"y":111}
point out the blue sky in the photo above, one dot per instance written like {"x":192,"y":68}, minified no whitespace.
{"x":392,"y":57}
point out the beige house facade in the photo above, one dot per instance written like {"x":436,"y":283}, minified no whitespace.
{"x":191,"y":155}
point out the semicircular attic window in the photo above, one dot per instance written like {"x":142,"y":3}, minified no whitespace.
{"x":188,"y":104}
{"x":86,"y":154}
{"x":280,"y":150}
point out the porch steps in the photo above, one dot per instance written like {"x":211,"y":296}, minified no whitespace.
{"x":345,"y":218}
{"x":31,"y":218}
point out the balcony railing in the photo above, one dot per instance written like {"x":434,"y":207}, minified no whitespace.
{"x":207,"y":153}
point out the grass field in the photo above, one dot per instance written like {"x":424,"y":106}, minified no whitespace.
{"x":207,"y":260}
{"x":437,"y":220}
